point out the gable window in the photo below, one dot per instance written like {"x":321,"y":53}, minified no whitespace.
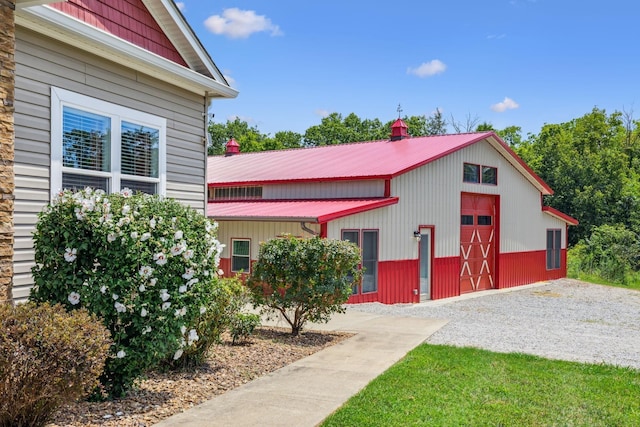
{"x":478,"y":174}
{"x":554,"y":246}
{"x":240,"y":255}
{"x":106,"y":146}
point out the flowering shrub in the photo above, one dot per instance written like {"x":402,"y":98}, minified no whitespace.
{"x":304,"y":279}
{"x":142,"y":263}
{"x":48,"y":357}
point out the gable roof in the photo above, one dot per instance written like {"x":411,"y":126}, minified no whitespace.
{"x":201,"y":75}
{"x":358,"y":161}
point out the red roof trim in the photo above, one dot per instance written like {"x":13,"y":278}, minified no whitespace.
{"x":562,"y":216}
{"x":359,"y":209}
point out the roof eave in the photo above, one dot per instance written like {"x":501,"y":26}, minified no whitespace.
{"x":560,"y":215}
{"x":67,"y":29}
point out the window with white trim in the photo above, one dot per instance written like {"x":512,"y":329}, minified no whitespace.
{"x":98,"y":144}
{"x":240,"y":255}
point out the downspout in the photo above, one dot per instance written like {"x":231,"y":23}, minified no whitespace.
{"x":205,"y":118}
{"x":303,"y":225}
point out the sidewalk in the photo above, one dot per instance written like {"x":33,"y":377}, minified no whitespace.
{"x":307,"y":391}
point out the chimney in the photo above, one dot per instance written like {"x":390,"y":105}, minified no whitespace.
{"x":232,"y":148}
{"x":399,"y":130}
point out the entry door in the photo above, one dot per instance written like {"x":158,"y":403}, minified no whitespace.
{"x":477,"y":245}
{"x":425,"y":264}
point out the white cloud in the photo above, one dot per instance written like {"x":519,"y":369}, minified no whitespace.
{"x":180,"y":5}
{"x":248,"y":119}
{"x":230,"y":80}
{"x":427,"y":69}
{"x":506,"y":104}
{"x":496,"y":36}
{"x":322,"y":112}
{"x":240,"y":24}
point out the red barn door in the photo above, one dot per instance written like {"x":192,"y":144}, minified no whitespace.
{"x":477,"y":245}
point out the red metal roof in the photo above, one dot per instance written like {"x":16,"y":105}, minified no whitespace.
{"x":316,"y":211}
{"x":560,"y":215}
{"x":365,"y":160}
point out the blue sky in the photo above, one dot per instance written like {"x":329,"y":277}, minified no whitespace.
{"x":507,"y":62}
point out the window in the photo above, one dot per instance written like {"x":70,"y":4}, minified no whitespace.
{"x":471,"y":173}
{"x":240,"y":255}
{"x":478,"y":174}
{"x":231,"y":193}
{"x":466,"y":219}
{"x":105,"y":146}
{"x":554,"y":246}
{"x":369,"y":249}
{"x":484,"y":219}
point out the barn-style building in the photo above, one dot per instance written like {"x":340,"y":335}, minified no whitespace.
{"x":434,"y":216}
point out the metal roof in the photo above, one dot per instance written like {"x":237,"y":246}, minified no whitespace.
{"x":364,"y":160}
{"x":315,"y":211}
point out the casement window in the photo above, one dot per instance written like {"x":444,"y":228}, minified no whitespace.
{"x":106,"y":146}
{"x":240,"y":255}
{"x":478,"y":174}
{"x":367,"y":241}
{"x":554,"y":247}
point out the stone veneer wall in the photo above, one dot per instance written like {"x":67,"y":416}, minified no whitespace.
{"x":7,"y":138}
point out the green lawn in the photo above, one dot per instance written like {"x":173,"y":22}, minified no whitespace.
{"x":633,"y":280}
{"x":451,"y":386}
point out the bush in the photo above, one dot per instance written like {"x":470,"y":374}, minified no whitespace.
{"x":242,"y":326}
{"x":224,"y":306}
{"x":611,"y":252}
{"x":304,"y":279}
{"x":142,"y":263}
{"x":48,"y":357}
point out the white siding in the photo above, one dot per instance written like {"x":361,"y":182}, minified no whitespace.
{"x":430,"y":195}
{"x":325,"y":190}
{"x":258,"y":232}
{"x":42,"y":63}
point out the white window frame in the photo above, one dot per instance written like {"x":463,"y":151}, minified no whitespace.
{"x":61,"y":98}
{"x":240,"y":256}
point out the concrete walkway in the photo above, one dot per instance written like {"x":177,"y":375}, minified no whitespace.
{"x":307,"y":391}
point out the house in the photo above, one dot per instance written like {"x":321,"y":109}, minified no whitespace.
{"x":434,"y":216}
{"x":106,"y":93}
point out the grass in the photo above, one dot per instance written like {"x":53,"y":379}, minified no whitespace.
{"x":633,"y":282}
{"x":450,"y":386}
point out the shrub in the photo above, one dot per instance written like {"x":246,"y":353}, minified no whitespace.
{"x":242,"y":326}
{"x":304,"y":279}
{"x":141,"y":263}
{"x":611,"y":252}
{"x":48,"y":357}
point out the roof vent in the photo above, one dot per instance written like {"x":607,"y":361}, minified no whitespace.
{"x":232,"y":148}
{"x":399,"y":130}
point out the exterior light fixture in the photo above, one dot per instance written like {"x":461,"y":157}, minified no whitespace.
{"x":416,"y":234}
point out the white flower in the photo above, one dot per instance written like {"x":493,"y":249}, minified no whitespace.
{"x":181,"y":312}
{"x":146,"y":271}
{"x":153,"y":281}
{"x":141,"y":288}
{"x":146,"y":330}
{"x":164,"y":294}
{"x":192,"y":282}
{"x":220,"y":272}
{"x":126,"y":192}
{"x":121,"y":354}
{"x":134,"y":234}
{"x":178,"y":248}
{"x":203,"y":309}
{"x":103,"y":289}
{"x":111,"y":237}
{"x":178,"y":354}
{"x":188,"y":254}
{"x":70,"y":254}
{"x":183,"y":329}
{"x":120,"y":308}
{"x":160,"y":258}
{"x":145,"y":236}
{"x":79,"y":214}
{"x":126,"y":209}
{"x":193,"y":336}
{"x":115,"y":296}
{"x":152,"y":223}
{"x":178,"y":235}
{"x":143,"y":312}
{"x":188,"y":273}
{"x":74,"y":298}
{"x":182,"y":289}
{"x":166,"y":305}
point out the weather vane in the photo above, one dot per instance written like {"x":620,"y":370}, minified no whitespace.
{"x":399,"y":110}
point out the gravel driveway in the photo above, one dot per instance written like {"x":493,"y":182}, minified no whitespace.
{"x":561,"y":319}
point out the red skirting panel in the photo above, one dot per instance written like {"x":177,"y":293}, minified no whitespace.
{"x":225,"y":265}
{"x":522,"y":268}
{"x":445,"y":277}
{"x":396,"y":283}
